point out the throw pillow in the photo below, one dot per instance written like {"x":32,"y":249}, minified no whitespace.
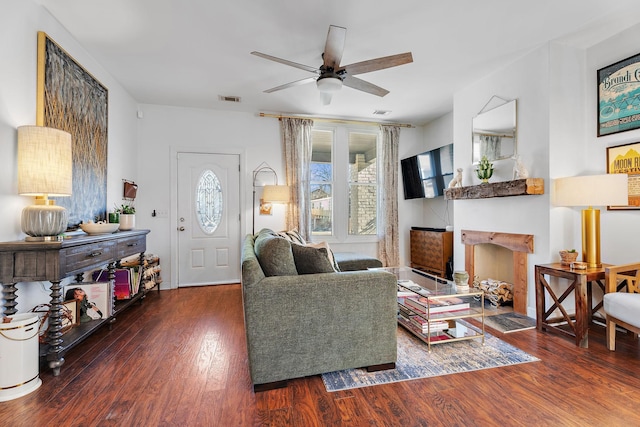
{"x":275,"y":256}
{"x":293,"y":236}
{"x":332,"y":259}
{"x":311,"y":260}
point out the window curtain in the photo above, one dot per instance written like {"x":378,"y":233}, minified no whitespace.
{"x":296,"y":143}
{"x":490,"y":146}
{"x":388,"y":238}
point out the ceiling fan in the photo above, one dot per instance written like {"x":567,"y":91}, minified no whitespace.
{"x":332,"y":75}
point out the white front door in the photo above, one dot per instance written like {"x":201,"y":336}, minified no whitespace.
{"x":208,"y":218}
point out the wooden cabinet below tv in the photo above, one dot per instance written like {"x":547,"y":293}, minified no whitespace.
{"x":431,"y":251}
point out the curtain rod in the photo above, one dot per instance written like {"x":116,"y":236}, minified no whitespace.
{"x":344,"y":121}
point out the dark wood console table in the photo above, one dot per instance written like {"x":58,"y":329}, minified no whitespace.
{"x":23,"y":261}
{"x":580,"y":283}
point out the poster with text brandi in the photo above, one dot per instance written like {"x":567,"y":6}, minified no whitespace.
{"x":619,"y":96}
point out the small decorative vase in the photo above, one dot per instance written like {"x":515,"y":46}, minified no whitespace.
{"x":127,"y":221}
{"x":114,"y":217}
{"x":462,"y":281}
{"x":461,"y":278}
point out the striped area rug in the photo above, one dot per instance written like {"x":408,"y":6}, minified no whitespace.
{"x":414,"y":361}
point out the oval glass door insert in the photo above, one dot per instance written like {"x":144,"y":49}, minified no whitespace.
{"x":208,"y":202}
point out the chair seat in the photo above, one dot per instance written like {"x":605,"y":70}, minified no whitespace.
{"x":623,"y":306}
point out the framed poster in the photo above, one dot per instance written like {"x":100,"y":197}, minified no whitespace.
{"x":619,"y":96}
{"x":70,"y":99}
{"x":626,"y":159}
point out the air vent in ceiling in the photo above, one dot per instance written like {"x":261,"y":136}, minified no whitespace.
{"x":381,"y":112}
{"x":229,"y":98}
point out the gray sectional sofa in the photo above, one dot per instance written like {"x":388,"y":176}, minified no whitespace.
{"x":307,"y":324}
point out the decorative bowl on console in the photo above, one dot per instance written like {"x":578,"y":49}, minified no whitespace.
{"x":99,"y":227}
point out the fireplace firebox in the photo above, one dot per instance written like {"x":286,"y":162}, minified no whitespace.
{"x":520,"y":244}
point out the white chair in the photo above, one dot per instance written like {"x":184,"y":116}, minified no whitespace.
{"x":622,"y":308}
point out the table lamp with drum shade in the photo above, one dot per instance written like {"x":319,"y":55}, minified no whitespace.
{"x":592,"y":190}
{"x":44,"y":170}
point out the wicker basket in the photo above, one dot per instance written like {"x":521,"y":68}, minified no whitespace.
{"x":566,"y":257}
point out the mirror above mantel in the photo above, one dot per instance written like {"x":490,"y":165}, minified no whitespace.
{"x":495,"y":130}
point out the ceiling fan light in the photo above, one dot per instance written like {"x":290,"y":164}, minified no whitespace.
{"x":329,"y":84}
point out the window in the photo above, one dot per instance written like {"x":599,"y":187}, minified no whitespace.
{"x":344,"y":182}
{"x":321,"y":182}
{"x":208,"y":202}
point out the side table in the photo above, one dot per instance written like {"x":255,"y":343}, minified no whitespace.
{"x":580,"y":284}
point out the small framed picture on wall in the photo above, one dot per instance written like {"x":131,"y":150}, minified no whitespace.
{"x":626,"y":159}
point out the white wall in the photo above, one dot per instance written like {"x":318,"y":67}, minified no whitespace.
{"x":410,"y":212}
{"x":526,"y":80}
{"x":437,"y":212}
{"x":20,"y":21}
{"x":164,"y":131}
{"x":555,"y":86}
{"x":619,"y":229}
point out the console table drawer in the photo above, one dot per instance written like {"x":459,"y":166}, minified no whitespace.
{"x":131,"y":245}
{"x":82,"y":257}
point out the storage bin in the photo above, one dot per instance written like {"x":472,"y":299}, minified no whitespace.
{"x":19,"y":356}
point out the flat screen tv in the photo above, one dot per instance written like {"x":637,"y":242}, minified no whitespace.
{"x":426,"y":175}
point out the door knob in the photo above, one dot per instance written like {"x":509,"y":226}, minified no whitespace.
{"x":180,"y":228}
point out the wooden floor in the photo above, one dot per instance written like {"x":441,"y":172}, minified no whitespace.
{"x":179,"y":359}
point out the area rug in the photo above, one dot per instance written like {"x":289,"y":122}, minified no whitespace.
{"x":414,"y":361}
{"x":510,"y":322}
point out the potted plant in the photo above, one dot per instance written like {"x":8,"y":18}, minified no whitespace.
{"x":127,"y":216}
{"x":484,"y":170}
{"x":567,"y":256}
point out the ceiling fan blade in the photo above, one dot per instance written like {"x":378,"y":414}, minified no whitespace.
{"x":378,"y":64}
{"x":286,"y":62}
{"x":334,"y":46}
{"x":359,"y":84}
{"x":325,"y":98}
{"x":292,"y":84}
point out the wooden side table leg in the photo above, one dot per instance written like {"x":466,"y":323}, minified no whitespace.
{"x":582,"y":312}
{"x":540,"y":299}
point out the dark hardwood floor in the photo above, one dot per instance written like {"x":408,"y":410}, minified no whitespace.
{"x":179,"y":359}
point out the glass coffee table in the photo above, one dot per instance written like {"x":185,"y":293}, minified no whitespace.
{"x":433,"y":309}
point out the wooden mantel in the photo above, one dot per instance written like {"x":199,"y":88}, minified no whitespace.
{"x":518,"y":187}
{"x":520,"y":244}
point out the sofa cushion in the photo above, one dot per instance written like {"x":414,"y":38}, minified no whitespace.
{"x":310,"y":260}
{"x":274,"y":255}
{"x":352,"y":261}
{"x":623,"y":306}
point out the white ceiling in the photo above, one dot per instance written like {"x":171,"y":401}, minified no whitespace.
{"x":189,"y":52}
